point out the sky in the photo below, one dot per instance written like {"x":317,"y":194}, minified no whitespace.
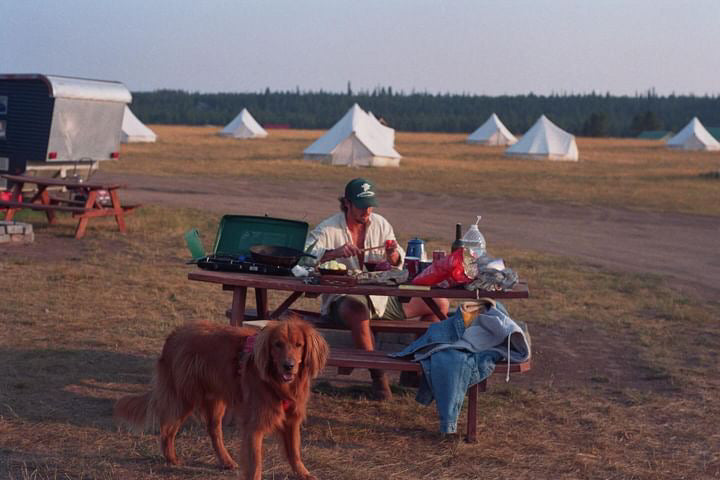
{"x":456,"y":46}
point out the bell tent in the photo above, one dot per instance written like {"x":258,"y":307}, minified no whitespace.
{"x":546,"y":141}
{"x":133,"y":130}
{"x":357,"y":139}
{"x":387,"y":132}
{"x":492,"y":132}
{"x":693,"y":137}
{"x":243,"y":126}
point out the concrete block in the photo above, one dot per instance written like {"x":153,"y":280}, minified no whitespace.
{"x":4,"y":238}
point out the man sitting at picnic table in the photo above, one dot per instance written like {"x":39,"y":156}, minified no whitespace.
{"x":342,"y":237}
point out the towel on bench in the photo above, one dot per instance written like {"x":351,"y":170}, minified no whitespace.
{"x":454,"y":357}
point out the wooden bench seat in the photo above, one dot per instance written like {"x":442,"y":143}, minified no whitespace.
{"x":43,"y":207}
{"x":395,"y":326}
{"x":55,"y":200}
{"x":348,"y":358}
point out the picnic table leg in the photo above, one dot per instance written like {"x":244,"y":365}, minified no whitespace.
{"x":16,"y":195}
{"x":83,"y":219}
{"x":472,"y":414}
{"x":9,"y":214}
{"x":261,"y":303}
{"x":434,"y":307}
{"x":286,"y":304}
{"x":117,"y":208}
{"x":237,"y":312}
{"x":44,"y":197}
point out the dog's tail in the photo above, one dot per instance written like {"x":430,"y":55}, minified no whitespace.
{"x":159,"y":405}
{"x":133,"y":410}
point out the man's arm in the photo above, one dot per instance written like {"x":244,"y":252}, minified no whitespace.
{"x":320,"y":243}
{"x":344,"y":251}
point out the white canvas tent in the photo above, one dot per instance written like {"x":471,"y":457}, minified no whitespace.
{"x":387,"y":132}
{"x":546,"y":141}
{"x":243,"y":126}
{"x":694,"y":137}
{"x":492,"y":132}
{"x":133,"y":130}
{"x":357,"y":139}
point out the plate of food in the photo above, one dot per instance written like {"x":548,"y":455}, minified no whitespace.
{"x":333,"y":267}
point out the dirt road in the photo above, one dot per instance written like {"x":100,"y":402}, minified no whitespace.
{"x":684,"y":248}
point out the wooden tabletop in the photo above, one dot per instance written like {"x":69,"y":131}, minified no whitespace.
{"x":61,"y":182}
{"x":272,"y":282}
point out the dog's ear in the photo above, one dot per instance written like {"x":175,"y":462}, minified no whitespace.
{"x":261,"y":351}
{"x":316,"y":351}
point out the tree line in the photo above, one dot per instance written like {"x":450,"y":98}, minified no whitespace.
{"x":589,"y":114}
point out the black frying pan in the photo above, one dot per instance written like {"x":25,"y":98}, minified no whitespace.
{"x":278,"y":256}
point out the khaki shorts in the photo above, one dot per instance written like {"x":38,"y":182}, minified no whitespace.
{"x":393,"y":309}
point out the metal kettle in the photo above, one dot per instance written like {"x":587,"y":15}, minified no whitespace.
{"x":416,"y":248}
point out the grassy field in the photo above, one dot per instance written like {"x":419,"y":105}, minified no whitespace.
{"x":638,"y":174}
{"x":625,"y":382}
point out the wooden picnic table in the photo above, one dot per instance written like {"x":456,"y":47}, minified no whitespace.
{"x":83,"y":210}
{"x":346,"y":359}
{"x":238,"y":283}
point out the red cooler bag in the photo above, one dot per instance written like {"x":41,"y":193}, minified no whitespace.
{"x":450,"y":267}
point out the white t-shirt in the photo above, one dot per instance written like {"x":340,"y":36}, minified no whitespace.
{"x":333,"y":232}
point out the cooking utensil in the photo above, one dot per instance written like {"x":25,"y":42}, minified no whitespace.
{"x":278,"y":256}
{"x":371,"y":248}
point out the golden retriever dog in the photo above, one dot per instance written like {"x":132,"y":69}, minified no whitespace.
{"x":209,"y":368}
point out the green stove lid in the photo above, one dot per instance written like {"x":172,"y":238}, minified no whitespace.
{"x":237,"y":233}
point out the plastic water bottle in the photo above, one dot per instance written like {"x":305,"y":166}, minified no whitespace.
{"x":474,"y":240}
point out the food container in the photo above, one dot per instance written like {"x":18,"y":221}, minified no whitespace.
{"x":328,"y":271}
{"x":412,"y":265}
{"x":416,"y":248}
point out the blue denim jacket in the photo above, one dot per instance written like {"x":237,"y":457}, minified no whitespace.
{"x":452,"y":366}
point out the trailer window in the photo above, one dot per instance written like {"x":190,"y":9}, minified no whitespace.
{"x":3,"y":104}
{"x":2,"y":129}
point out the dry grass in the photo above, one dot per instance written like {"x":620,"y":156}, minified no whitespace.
{"x":633,"y":173}
{"x":624,"y":386}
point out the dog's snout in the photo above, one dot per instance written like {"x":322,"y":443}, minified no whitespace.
{"x":288,"y":365}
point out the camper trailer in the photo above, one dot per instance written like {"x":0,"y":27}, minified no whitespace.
{"x":58,"y":124}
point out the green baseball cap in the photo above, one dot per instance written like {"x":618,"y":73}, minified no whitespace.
{"x":361,"y":193}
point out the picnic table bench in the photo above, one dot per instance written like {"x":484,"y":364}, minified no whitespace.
{"x":346,"y":359}
{"x":83,"y":210}
{"x":349,"y":358}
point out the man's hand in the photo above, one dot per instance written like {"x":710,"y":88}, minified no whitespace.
{"x":347,"y":250}
{"x":391,"y":253}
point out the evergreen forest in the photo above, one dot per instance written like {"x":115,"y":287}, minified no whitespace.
{"x":592,"y":114}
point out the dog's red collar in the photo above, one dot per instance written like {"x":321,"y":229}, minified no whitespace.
{"x":286,"y":404}
{"x":249,"y":344}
